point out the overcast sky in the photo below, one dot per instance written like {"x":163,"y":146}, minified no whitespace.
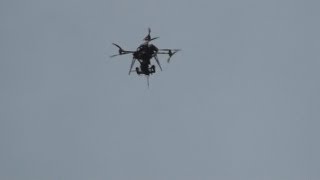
{"x":241,"y":100}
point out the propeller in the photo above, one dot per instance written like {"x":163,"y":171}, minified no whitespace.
{"x":121,"y":51}
{"x":148,"y":37}
{"x":118,"y":55}
{"x":171,"y":54}
{"x":154,"y":38}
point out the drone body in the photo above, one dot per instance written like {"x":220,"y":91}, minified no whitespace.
{"x":144,"y":53}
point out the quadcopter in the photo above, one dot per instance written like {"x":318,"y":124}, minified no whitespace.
{"x":144,"y":53}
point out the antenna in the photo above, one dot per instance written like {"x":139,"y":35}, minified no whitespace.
{"x":148,"y":81}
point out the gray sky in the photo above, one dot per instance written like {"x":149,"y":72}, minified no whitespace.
{"x":241,"y":101}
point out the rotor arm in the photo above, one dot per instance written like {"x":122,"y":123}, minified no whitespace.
{"x":170,"y":52}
